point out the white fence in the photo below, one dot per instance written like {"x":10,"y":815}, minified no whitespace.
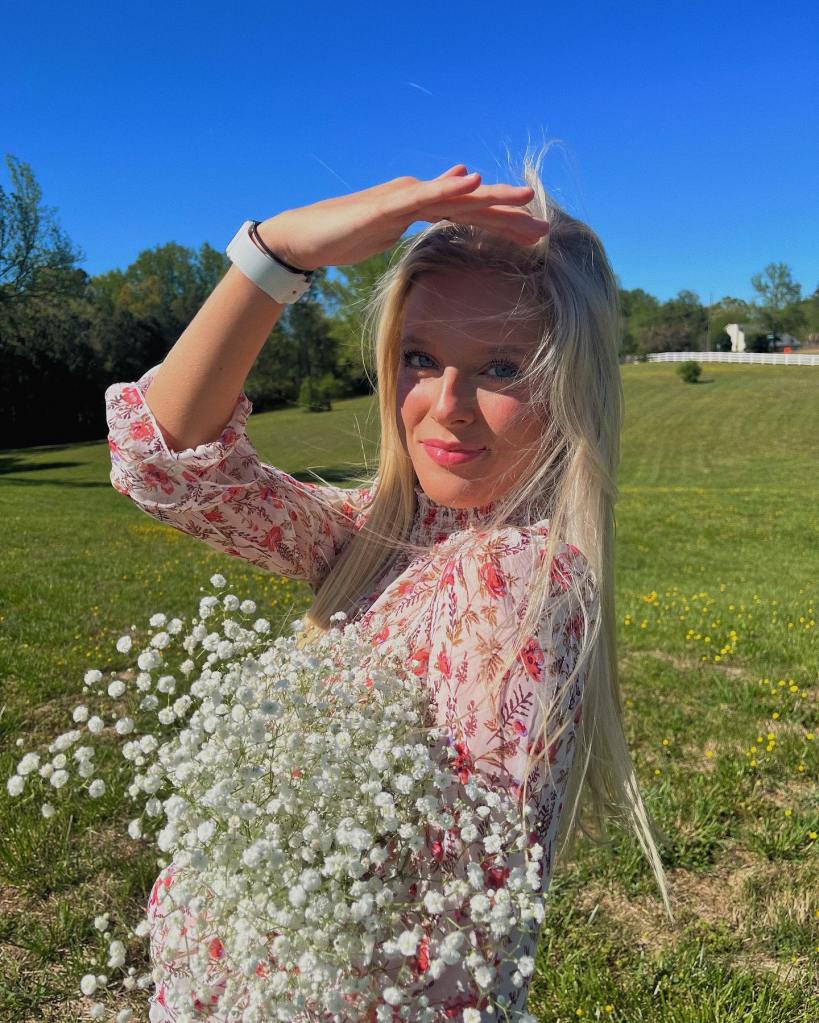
{"x":757,"y":358}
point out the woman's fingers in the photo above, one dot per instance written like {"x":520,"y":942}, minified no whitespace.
{"x":456,"y":196}
{"x":500,"y":217}
{"x":462,"y":198}
{"x":516,"y":223}
{"x":458,"y":170}
{"x":490,"y":195}
{"x":523,"y":216}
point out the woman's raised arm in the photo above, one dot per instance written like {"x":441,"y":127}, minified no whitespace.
{"x":177,"y":435}
{"x":193,"y":393}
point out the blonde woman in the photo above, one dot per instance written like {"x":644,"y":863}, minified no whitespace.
{"x":484,"y":535}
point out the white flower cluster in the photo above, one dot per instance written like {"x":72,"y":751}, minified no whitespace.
{"x":299,"y":790}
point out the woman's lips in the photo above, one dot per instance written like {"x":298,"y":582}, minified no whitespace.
{"x":450,"y":457}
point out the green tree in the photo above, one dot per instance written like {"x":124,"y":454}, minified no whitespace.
{"x":637,"y":309}
{"x":50,"y":384}
{"x":36,"y":258}
{"x":47,"y":376}
{"x":314,"y":394}
{"x":780,"y":310}
{"x":167,"y":284}
{"x":307,"y":333}
{"x":680,"y":324}
{"x":810,"y":308}
{"x":347,"y":295}
{"x":274,"y":379}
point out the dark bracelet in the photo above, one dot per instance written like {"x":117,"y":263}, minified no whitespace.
{"x":257,"y":238}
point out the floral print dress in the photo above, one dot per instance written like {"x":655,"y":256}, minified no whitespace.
{"x":456,"y":610}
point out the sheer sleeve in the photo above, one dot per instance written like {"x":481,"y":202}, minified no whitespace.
{"x":221,"y":493}
{"x":481,"y":599}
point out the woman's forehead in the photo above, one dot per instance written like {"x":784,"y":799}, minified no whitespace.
{"x":511,"y":344}
{"x":451,"y":326}
{"x":461,"y":286}
{"x":470,"y":304}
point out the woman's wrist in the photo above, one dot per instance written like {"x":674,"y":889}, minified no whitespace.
{"x":272,"y":238}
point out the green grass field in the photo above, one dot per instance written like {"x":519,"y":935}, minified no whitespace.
{"x":717,"y":591}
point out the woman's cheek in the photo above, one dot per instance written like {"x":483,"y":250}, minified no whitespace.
{"x":408,"y":398}
{"x":402,"y":388}
{"x":507,"y":416}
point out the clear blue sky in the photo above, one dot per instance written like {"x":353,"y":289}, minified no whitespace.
{"x":689,"y":135}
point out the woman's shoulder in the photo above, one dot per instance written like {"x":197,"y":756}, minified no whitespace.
{"x":521,"y":542}
{"x":504,"y":563}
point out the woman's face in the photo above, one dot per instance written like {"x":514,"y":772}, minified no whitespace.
{"x":454,"y":376}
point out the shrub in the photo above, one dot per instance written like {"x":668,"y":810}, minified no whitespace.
{"x":314,"y":395}
{"x":690,"y":371}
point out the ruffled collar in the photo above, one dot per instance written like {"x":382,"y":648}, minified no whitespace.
{"x":434,"y":522}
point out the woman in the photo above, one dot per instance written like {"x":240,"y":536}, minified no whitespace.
{"x":484,"y":536}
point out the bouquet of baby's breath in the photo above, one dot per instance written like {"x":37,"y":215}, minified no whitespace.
{"x":315,"y":824}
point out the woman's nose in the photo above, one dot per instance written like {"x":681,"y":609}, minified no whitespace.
{"x":454,"y":397}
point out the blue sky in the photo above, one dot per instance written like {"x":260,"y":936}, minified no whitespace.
{"x":688,"y":133}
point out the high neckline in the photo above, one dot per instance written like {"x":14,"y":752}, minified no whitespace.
{"x":434,"y":522}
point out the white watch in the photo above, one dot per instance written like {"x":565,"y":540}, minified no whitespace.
{"x":283,"y":282}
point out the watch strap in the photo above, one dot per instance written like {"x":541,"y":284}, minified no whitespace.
{"x":281,"y":281}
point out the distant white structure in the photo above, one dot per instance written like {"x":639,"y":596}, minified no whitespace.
{"x":737,"y":336}
{"x":737,"y":331}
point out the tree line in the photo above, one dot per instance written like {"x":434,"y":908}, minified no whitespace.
{"x":66,"y":335}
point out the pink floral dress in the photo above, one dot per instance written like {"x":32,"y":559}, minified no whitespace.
{"x":457,"y":611}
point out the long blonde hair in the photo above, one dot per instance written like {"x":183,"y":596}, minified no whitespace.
{"x":566,"y":282}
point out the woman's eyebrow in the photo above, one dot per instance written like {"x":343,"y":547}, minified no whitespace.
{"x":501,"y":346}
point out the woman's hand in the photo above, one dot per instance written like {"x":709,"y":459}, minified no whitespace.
{"x":348,"y":229}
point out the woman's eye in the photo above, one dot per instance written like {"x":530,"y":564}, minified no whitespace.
{"x":503,"y":363}
{"x":409,"y":355}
